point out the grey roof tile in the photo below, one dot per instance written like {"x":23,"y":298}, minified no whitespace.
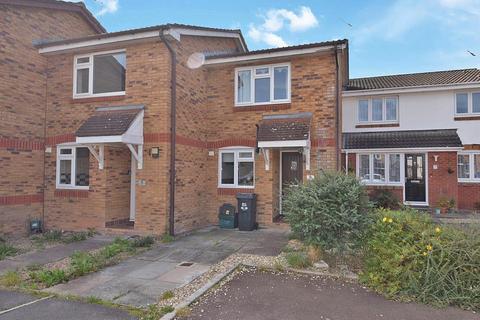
{"x":108,"y":122}
{"x":284,"y":127}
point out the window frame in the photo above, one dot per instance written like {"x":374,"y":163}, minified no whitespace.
{"x":73,"y":158}
{"x":236,"y":152}
{"x":384,"y":110}
{"x":470,"y":111}
{"x":471,"y":172}
{"x":271,"y":75}
{"x":90,"y":66}
{"x":387,"y":181}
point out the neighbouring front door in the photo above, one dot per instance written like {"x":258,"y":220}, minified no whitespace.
{"x":415,"y":178}
{"x":292,"y":169}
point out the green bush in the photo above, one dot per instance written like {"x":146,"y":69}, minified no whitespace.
{"x":385,"y":199}
{"x":407,"y":255}
{"x":330,"y":210}
{"x":6,"y":250}
{"x":50,"y":277}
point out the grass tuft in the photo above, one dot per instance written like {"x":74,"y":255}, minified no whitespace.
{"x":167,"y":295}
{"x":11,"y":279}
{"x":298,"y":260}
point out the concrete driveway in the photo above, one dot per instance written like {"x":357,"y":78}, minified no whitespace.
{"x":15,"y":305}
{"x":142,"y":279}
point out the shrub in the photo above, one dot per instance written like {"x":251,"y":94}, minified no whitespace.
{"x":385,"y":199}
{"x":298,"y":260}
{"x":330,"y":210}
{"x":408,"y":255}
{"x":82,"y":263}
{"x":50,"y":277}
{"x":6,"y":250}
{"x":143,"y":242}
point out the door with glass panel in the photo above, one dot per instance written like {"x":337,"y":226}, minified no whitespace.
{"x":415,"y":186}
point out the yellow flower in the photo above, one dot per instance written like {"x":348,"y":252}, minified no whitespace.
{"x":438,"y":230}
{"x":384,"y":219}
{"x":390,"y":220}
{"x":429,"y":247}
{"x":425,"y":253}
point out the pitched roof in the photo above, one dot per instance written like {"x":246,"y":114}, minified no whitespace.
{"x":463,"y":76}
{"x":218,"y":55}
{"x":78,"y":7}
{"x":109,"y":121}
{"x":138,"y":30}
{"x":402,"y":139}
{"x":284,"y":127}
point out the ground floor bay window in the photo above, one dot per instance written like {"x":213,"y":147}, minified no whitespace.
{"x":72,"y":167}
{"x":380,"y":168}
{"x":468,"y":164}
{"x":236,"y":168}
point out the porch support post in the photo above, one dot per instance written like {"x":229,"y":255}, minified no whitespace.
{"x":98,"y":155}
{"x":346,"y":162}
{"x":266,"y":156}
{"x":306,"y":152}
{"x":137,"y":154}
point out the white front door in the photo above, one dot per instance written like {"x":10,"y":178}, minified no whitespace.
{"x":133,"y":173}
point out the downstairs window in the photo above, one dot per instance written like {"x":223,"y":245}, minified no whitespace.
{"x":379,"y":168}
{"x":468,"y":165}
{"x":73,"y":167}
{"x":236,"y":168}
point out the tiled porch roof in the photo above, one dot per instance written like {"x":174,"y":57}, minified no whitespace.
{"x":447,"y":138}
{"x":284,"y":127}
{"x":109,"y":121}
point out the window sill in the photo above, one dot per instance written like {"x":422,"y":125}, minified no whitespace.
{"x":382,"y":184}
{"x":377,"y":125}
{"x":469,"y":181}
{"x":263,"y":107}
{"x":467,"y":118}
{"x":98,"y":99}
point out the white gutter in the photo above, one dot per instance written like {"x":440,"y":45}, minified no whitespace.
{"x":270,"y":55}
{"x":406,"y":150}
{"x":452,"y":86}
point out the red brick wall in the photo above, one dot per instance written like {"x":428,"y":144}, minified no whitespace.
{"x":442,"y":182}
{"x":22,"y":106}
{"x":469,"y":196}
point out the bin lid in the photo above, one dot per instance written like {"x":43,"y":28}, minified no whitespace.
{"x":246,"y":195}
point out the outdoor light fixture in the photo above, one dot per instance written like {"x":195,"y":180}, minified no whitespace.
{"x":155,"y":152}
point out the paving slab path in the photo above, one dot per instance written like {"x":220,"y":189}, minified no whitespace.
{"x":53,"y":254}
{"x":16,"y":305}
{"x":256,"y":295}
{"x":142,"y":279}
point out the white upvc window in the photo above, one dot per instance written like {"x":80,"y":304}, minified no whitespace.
{"x":262,"y":84}
{"x":380,"y":168}
{"x":377,"y":110}
{"x":468,"y":166}
{"x":99,"y":75}
{"x":467,"y":103}
{"x":236,"y":168}
{"x":73,"y":164}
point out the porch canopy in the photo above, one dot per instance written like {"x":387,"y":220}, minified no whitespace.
{"x":285,"y":131}
{"x":123,"y":124}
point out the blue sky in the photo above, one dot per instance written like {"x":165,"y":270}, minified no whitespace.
{"x":386,"y":37}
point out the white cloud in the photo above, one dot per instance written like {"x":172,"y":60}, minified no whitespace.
{"x":107,"y":6}
{"x":275,"y":20}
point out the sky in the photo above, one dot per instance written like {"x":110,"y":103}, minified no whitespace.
{"x":385,"y":37}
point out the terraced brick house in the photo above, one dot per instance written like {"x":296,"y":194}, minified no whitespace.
{"x":416,"y":135}
{"x":153,"y":129}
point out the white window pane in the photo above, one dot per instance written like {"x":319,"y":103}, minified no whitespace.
{"x":83,"y":60}
{"x":245,"y":155}
{"x":261,"y":71}
{"x":462,"y":102}
{"x":377,"y":110}
{"x":245,"y":173}
{"x":476,"y":168}
{"x":363,"y":110}
{"x":262,"y":90}
{"x":394,"y":168}
{"x":391,"y":106}
{"x":109,"y":73}
{"x":244,"y":86}
{"x":82,"y":80}
{"x":476,"y":102}
{"x":280,"y":83}
{"x":65,"y":151}
{"x":82,"y":162}
{"x":228,"y":167}
{"x":364,"y":167}
{"x":65,"y":172}
{"x":379,"y":167}
{"x":463,"y":166}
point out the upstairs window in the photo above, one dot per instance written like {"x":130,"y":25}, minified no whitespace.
{"x":73,"y":167}
{"x":101,"y":74}
{"x":378,"y":110}
{"x":236,"y":168}
{"x":262,"y":84}
{"x":467,"y":103}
